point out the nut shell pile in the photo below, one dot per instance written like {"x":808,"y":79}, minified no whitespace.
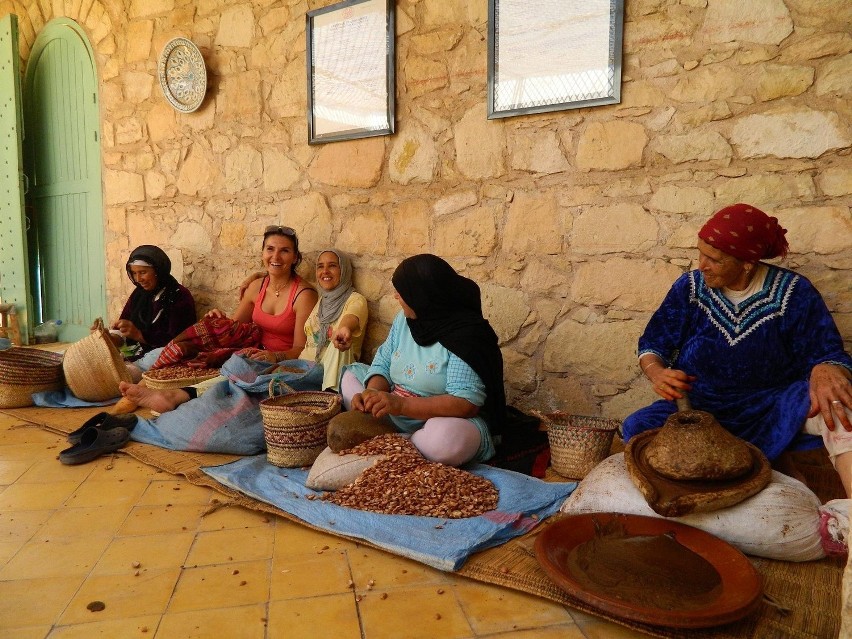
{"x":404,"y":483}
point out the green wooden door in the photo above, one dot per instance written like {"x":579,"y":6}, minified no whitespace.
{"x":63,"y":161}
{"x":14,"y":272}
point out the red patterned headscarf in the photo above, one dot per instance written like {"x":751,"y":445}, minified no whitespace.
{"x":745,"y":232}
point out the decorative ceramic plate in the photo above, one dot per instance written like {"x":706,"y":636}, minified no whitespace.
{"x":183,"y":76}
{"x":571,"y":554}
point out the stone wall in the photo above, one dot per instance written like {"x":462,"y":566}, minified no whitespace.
{"x":574,"y":223}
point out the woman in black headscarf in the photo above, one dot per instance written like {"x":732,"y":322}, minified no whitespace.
{"x":158,"y":309}
{"x":439,"y":374}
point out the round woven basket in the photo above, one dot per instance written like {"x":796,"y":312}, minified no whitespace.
{"x":24,"y":371}
{"x":163,"y":378}
{"x":295,"y":425}
{"x":94,"y":367}
{"x":578,"y":443}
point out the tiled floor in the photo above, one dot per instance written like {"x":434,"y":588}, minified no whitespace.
{"x":168,"y":563}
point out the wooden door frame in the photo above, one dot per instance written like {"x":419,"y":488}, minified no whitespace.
{"x":94,"y":157}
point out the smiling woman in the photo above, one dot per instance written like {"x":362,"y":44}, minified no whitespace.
{"x":335,"y":328}
{"x":751,"y":343}
{"x":158,"y":309}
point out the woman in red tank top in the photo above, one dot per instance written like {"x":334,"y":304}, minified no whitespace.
{"x":280,"y":302}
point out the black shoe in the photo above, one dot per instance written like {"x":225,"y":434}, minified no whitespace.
{"x":104,"y":421}
{"x":94,"y":443}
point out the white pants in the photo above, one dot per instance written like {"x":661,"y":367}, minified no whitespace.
{"x":837,"y":441}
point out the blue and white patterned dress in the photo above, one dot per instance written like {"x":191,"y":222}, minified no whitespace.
{"x":752,"y":359}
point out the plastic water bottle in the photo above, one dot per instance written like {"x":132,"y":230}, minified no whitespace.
{"x":47,"y":332}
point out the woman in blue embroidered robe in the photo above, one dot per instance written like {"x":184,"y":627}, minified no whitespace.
{"x":752,"y":343}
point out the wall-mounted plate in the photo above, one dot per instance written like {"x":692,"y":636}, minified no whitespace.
{"x":183,"y":76}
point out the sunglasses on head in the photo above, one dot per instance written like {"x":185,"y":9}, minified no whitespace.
{"x":280,"y":230}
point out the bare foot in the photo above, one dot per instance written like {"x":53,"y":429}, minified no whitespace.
{"x":161,"y":401}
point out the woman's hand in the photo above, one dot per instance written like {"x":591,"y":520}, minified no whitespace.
{"x":215,"y":313}
{"x":245,"y":283}
{"x":342,"y":338}
{"x":266,"y":356}
{"x":128,"y":330}
{"x":381,"y":403}
{"x":831,"y":391}
{"x":261,"y":355}
{"x":670,"y":383}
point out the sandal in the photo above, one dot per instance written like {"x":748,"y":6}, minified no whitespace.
{"x":94,"y":443}
{"x":104,"y":421}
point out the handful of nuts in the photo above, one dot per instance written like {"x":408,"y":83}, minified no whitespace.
{"x":405,"y":483}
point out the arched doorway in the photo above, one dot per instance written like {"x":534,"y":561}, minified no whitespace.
{"x":62,"y":160}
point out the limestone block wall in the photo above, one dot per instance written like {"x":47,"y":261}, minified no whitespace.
{"x":575,"y":223}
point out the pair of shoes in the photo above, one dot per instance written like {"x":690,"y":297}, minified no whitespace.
{"x":104,"y":421}
{"x":93,"y":443}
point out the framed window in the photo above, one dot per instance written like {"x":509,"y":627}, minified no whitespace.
{"x":550,"y":55}
{"x":351,"y":70}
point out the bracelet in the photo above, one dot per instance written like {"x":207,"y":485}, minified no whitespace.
{"x":645,"y":368}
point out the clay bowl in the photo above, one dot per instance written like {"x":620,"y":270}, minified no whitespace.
{"x":738,"y":595}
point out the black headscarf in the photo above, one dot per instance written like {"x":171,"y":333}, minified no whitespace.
{"x":449,"y":311}
{"x":142,"y":301}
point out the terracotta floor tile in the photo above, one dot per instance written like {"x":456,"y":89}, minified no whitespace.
{"x":59,"y":557}
{"x":33,"y":452}
{"x":296,"y":576}
{"x":72,"y":522}
{"x":11,"y":471}
{"x":246,"y":622}
{"x":31,"y":632}
{"x":147,"y":520}
{"x":413,"y":613}
{"x":153,"y":553}
{"x":227,"y":585}
{"x":20,"y":609}
{"x":330,"y":616}
{"x":108,"y":492}
{"x":51,"y":470}
{"x":21,"y":497}
{"x":390,"y":571}
{"x":124,"y":596}
{"x":121,"y":466}
{"x":8,"y":550}
{"x":563,"y":631}
{"x":240,"y":544}
{"x":490,"y":610}
{"x":232,"y":516}
{"x":21,"y":525}
{"x":129,"y":628}
{"x":597,"y":628}
{"x":18,"y":431}
{"x":295,"y":539}
{"x":162,"y":491}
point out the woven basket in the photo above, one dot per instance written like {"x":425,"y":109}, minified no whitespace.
{"x":199,"y":375}
{"x":295,"y":424}
{"x":24,"y":371}
{"x":94,"y":367}
{"x":578,"y":443}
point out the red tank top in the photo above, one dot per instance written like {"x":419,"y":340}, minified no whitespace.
{"x":277,"y":331}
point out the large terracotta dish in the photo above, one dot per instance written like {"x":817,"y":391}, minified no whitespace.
{"x":741,"y":585}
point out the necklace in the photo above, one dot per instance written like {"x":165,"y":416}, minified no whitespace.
{"x":278,"y":288}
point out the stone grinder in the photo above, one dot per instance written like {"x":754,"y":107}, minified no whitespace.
{"x":692,"y":464}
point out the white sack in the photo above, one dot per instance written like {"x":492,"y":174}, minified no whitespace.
{"x":780,"y":522}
